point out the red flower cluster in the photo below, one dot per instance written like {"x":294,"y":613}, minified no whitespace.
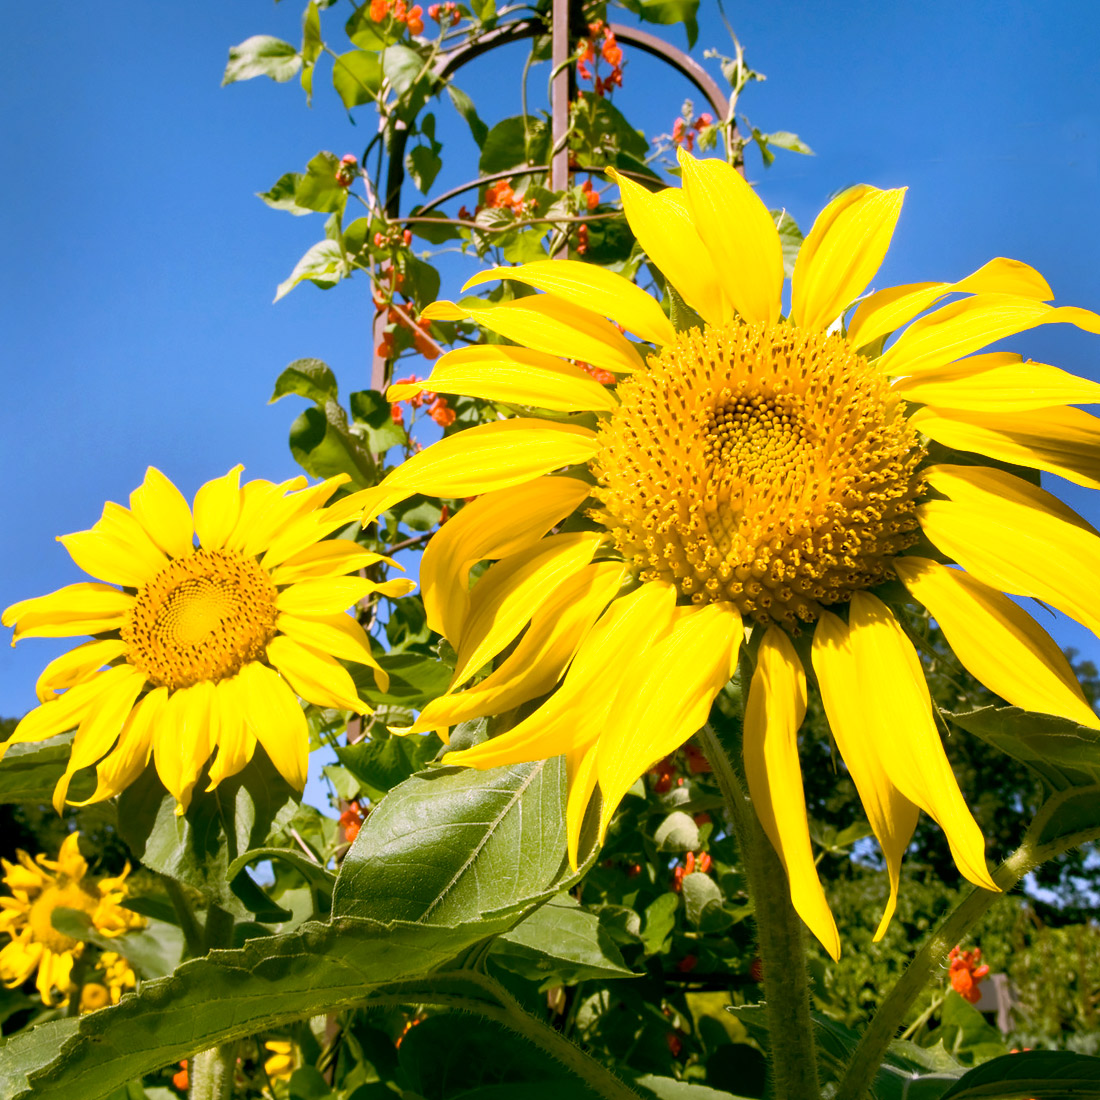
{"x":591,"y":196}
{"x":351,"y":821}
{"x":181,"y":1078}
{"x":690,"y":866}
{"x":442,"y":13}
{"x":610,"y":51}
{"x":347,"y":170}
{"x":966,"y":973}
{"x":605,"y":378}
{"x":438,"y":408}
{"x":412,"y":17}
{"x":683,"y":133}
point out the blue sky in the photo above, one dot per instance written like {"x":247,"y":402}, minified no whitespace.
{"x":139,"y":267}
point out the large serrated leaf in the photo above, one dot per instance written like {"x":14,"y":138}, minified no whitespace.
{"x":454,"y":844}
{"x":1050,"y":1074}
{"x":30,"y":770}
{"x":225,"y":996}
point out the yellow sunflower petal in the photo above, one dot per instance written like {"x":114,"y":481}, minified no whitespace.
{"x":594,"y":288}
{"x":263,"y":520}
{"x":543,"y":653}
{"x":111,"y":558}
{"x":506,"y":597}
{"x":740,"y":235}
{"x":325,"y":597}
{"x":892,"y":816}
{"x":162,"y":510}
{"x":66,"y":711}
{"x":128,"y":759}
{"x":1002,"y":646}
{"x":316,"y":677}
{"x":1060,"y":440}
{"x":276,"y":720}
{"x":1027,"y":551}
{"x":322,"y":560}
{"x":182,"y":740}
{"x":236,"y":741}
{"x":883,"y":312}
{"x":580,"y":768}
{"x":962,"y":327}
{"x":495,"y":525}
{"x":896,"y":698}
{"x":85,"y":608}
{"x":660,"y":703}
{"x":99,"y":728}
{"x":773,"y":715}
{"x":663,"y":226}
{"x":339,"y":635}
{"x":217,"y":508}
{"x":574,"y":715}
{"x":548,"y":323}
{"x":516,"y":376}
{"x":76,"y":666}
{"x":843,"y":251}
{"x":479,"y":460}
{"x":1000,"y":382}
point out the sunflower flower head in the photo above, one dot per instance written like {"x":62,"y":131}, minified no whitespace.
{"x":37,"y":888}
{"x":212,"y":622}
{"x":752,"y":489}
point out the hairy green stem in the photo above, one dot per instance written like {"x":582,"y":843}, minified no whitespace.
{"x":874,"y":1042}
{"x":189,"y":926}
{"x":508,"y":1012}
{"x":792,"y":1061}
{"x":211,"y":1073}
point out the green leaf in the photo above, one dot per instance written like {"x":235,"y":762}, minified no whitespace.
{"x":323,"y":265}
{"x":668,"y":11}
{"x":281,"y":195}
{"x":379,"y":765}
{"x":311,"y":46}
{"x":965,"y":1033}
{"x":560,"y":943}
{"x":602,"y":127}
{"x":423,"y":163}
{"x":198,"y":847}
{"x":153,"y":951}
{"x":415,"y":680}
{"x":319,"y":878}
{"x":783,"y":139}
{"x":504,"y":147}
{"x":269,"y":982}
{"x":677,"y":833}
{"x":702,"y":895}
{"x":435,"y":234}
{"x":30,"y":770}
{"x":669,"y":1088}
{"x":357,"y":77}
{"x":371,"y":411}
{"x":421,"y":281}
{"x":484,"y":9}
{"x":464,"y":105}
{"x":318,"y":189}
{"x":453,"y":1056}
{"x":311,"y":378}
{"x":660,"y":920}
{"x":453,"y":844}
{"x":1050,"y":1074}
{"x":790,"y":238}
{"x":1060,"y":751}
{"x":525,"y":246}
{"x":262,"y":55}
{"x":405,"y":70}
{"x":322,"y":446}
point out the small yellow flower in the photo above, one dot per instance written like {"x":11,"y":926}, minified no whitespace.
{"x":202,"y":648}
{"x":40,"y":886}
{"x":754,"y":479}
{"x":282,"y":1059}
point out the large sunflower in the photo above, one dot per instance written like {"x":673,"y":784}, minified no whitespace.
{"x":40,"y":886}
{"x":201,"y":648}
{"x":752,"y":480}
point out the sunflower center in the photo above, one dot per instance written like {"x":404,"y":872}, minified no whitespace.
{"x":761,"y":465}
{"x":201,"y":618}
{"x":40,"y":914}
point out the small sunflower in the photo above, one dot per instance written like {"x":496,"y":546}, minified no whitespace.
{"x":202,"y":647}
{"x":752,"y":479}
{"x":40,"y":886}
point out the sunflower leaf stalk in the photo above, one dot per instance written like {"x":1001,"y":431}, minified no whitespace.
{"x":780,"y":941}
{"x":211,"y":1073}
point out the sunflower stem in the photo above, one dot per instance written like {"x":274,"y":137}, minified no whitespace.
{"x":189,"y":926}
{"x":792,"y":1056}
{"x":875,"y":1041}
{"x":211,"y":1072}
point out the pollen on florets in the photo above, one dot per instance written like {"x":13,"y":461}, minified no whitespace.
{"x":762,"y":465}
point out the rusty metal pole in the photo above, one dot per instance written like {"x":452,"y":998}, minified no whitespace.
{"x":559,"y":106}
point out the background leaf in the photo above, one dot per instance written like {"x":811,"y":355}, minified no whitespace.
{"x":262,"y":55}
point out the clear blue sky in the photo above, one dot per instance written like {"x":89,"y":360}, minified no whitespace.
{"x":139,"y":269}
